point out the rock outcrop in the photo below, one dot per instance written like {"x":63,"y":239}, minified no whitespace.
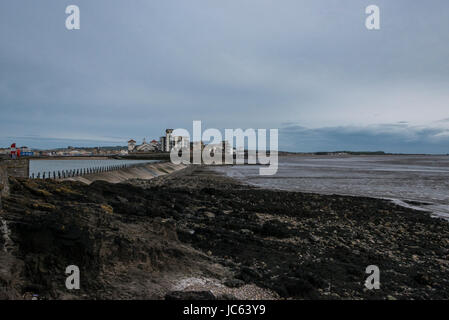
{"x":136,"y":240}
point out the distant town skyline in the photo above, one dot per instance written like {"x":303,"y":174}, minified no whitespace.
{"x":309,"y":68}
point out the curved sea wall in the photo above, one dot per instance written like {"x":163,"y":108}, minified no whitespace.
{"x":16,"y":168}
{"x":147,"y":171}
{"x":4,"y":185}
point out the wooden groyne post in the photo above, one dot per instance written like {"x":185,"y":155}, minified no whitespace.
{"x":70,"y":173}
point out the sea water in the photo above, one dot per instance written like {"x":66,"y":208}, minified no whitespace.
{"x":417,"y":181}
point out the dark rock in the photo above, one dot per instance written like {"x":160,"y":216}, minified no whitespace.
{"x":226,"y":297}
{"x":248,"y":274}
{"x":422,"y":279}
{"x":234,"y":283}
{"x":190,"y":295}
{"x":144,"y":234}
{"x":275,"y":228}
{"x":297,"y":287}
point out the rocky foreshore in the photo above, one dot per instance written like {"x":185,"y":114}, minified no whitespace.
{"x":197,"y":234}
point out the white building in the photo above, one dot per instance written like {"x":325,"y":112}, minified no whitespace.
{"x":227,"y":147}
{"x":131,"y":145}
{"x":144,"y":147}
{"x":180,"y":142}
{"x":166,"y":143}
{"x":224,"y":147}
{"x":168,"y":140}
{"x":163,"y":140}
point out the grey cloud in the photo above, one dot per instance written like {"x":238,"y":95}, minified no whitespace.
{"x":138,"y":67}
{"x":392,"y":138}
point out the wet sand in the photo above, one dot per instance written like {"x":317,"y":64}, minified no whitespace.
{"x":415,"y":181}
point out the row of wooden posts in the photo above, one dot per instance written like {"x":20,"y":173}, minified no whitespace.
{"x":62,"y":174}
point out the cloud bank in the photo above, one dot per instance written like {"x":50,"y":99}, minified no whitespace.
{"x":136,"y":68}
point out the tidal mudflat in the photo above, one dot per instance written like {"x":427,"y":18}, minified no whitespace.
{"x":417,"y":181}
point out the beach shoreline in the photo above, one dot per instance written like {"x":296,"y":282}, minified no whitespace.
{"x":196,"y":229}
{"x":415,"y":181}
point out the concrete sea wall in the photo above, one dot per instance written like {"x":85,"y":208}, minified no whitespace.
{"x":148,"y":171}
{"x":4,"y":186}
{"x":18,"y":168}
{"x":15,"y":168}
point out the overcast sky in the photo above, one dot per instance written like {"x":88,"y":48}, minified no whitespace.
{"x":309,"y":68}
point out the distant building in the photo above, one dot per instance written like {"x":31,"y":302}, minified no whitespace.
{"x":180,"y":142}
{"x":226,"y":147}
{"x":74,"y":153}
{"x":145,"y":147}
{"x":131,"y":145}
{"x":163,"y":140}
{"x":165,"y":143}
{"x":223,"y":147}
{"x":153,"y":146}
{"x":26,"y":152}
{"x":168,"y":140}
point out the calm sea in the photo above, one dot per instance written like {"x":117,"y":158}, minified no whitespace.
{"x":401,"y":178}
